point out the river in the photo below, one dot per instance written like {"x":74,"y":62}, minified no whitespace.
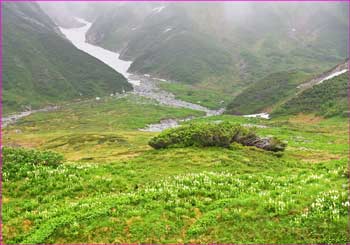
{"x":144,"y":85}
{"x":15,"y":117}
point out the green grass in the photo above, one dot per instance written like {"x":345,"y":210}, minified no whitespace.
{"x":205,"y":97}
{"x":94,"y":130}
{"x":114,"y":188}
{"x":180,"y":195}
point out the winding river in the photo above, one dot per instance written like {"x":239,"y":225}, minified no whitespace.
{"x":144,"y":85}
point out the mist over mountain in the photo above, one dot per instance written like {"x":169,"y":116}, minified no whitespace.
{"x":224,"y":43}
{"x":223,"y":47}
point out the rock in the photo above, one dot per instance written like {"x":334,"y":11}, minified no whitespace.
{"x":268,"y":143}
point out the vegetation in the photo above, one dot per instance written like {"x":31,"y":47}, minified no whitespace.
{"x":86,"y":173}
{"x":165,"y":44}
{"x":94,"y":130}
{"x":206,"y":59}
{"x":189,"y":207}
{"x":194,"y":94}
{"x":117,"y":186}
{"x":18,"y":161}
{"x":41,"y":67}
{"x":326,"y":99}
{"x":221,"y":134}
{"x":266,"y":93}
{"x":200,"y":46}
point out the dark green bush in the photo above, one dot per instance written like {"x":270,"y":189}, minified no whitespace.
{"x":213,"y":134}
{"x":16,"y":162}
{"x":202,"y":134}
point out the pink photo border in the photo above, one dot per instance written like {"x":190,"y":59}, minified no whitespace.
{"x":1,"y":224}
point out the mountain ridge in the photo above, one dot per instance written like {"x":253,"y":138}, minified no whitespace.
{"x":41,"y":67}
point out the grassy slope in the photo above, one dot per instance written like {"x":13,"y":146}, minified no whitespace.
{"x":184,"y":57}
{"x":95,"y":130}
{"x":268,"y":92}
{"x":41,"y":67}
{"x":202,"y":96}
{"x":182,"y":53}
{"x":240,"y":195}
{"x":327,"y":99}
{"x":207,"y":49}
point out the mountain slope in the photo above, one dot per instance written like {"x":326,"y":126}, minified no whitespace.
{"x":224,"y":46}
{"x":266,"y":93}
{"x":279,"y":92}
{"x":40,"y":66}
{"x":326,"y":99}
{"x":163,"y":41}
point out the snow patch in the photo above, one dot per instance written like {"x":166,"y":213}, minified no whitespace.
{"x":333,"y":75}
{"x":112,"y":59}
{"x":168,"y":29}
{"x":158,"y":9}
{"x":259,"y":115}
{"x":160,"y":79}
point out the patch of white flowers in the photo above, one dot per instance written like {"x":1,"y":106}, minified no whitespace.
{"x":330,"y":205}
{"x":208,"y":191}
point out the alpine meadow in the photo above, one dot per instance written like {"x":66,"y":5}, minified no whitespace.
{"x":175,"y":122}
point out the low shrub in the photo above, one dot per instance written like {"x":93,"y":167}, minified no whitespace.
{"x":16,"y":162}
{"x":213,"y":134}
{"x":268,"y":144}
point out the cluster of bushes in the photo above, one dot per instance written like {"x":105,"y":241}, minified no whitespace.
{"x":16,"y":162}
{"x":213,"y":134}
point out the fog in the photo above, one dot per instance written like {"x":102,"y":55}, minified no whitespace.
{"x":232,"y":12}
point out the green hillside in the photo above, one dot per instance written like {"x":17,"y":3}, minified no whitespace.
{"x":224,"y":47}
{"x":266,"y":93}
{"x":40,"y":66}
{"x":165,"y":43}
{"x":326,"y":99}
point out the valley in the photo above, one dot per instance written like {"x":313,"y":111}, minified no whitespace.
{"x":167,"y":131}
{"x":143,"y":85}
